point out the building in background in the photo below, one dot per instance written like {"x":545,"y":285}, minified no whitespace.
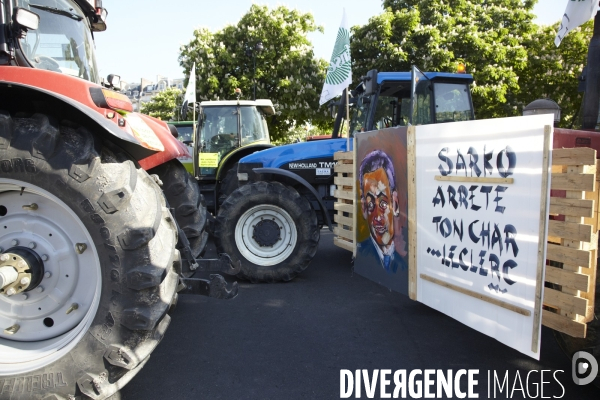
{"x":149,"y":89}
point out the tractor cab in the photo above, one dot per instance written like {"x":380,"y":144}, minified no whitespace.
{"x":227,"y":130}
{"x":388,"y":99}
{"x":57,"y":36}
{"x":226,"y":126}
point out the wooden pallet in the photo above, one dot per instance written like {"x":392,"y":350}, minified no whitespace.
{"x":345,"y":194}
{"x":572,"y":242}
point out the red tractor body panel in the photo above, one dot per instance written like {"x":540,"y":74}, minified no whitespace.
{"x":79,"y":90}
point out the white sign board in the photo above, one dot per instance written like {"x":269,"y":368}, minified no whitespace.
{"x":482,"y":192}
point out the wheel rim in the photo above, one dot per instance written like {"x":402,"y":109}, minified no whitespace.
{"x":266,"y":251}
{"x":55,"y":315}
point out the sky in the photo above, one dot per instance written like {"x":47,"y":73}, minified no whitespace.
{"x":143,"y":37}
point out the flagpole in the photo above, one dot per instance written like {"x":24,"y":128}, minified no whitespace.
{"x":194,"y":124}
{"x":348,"y":118}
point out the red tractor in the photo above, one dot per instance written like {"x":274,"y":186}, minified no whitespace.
{"x":92,"y":251}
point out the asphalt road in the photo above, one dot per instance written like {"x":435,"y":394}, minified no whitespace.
{"x":290,"y":341}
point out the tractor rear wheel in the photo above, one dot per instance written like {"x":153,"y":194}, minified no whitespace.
{"x":183,"y":195}
{"x":93,"y":244}
{"x":270,"y":228}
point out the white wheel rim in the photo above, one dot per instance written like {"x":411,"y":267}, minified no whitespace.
{"x":46,"y":331}
{"x":266,"y":255}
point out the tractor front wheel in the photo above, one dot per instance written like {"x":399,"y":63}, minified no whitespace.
{"x":88,"y":262}
{"x":275,"y":231}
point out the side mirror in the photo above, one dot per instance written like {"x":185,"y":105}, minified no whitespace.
{"x":25,"y":19}
{"x":370,"y":82}
{"x":173,"y":130}
{"x":99,"y":20}
{"x":114,"y":81}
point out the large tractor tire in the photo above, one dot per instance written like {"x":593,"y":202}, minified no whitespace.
{"x":183,"y":195}
{"x":270,"y":228}
{"x":99,"y":245}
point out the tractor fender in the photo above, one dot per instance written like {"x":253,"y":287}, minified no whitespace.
{"x":287,"y":176}
{"x":31,"y":96}
{"x":237,"y":154}
{"x":64,"y":96}
{"x":173,"y":147}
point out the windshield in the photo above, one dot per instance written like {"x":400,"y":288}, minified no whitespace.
{"x":392,"y":108}
{"x":452,"y":102}
{"x":358,"y":121}
{"x":253,"y":126}
{"x":63,"y":42}
{"x":185,"y":132}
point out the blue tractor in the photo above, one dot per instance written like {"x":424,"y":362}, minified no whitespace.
{"x":271,"y":223}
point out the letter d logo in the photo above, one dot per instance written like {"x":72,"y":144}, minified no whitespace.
{"x":583,"y":363}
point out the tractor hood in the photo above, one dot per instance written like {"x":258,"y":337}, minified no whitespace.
{"x":281,"y":155}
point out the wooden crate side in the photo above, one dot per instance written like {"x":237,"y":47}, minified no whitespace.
{"x":344,"y":194}
{"x":344,"y":207}
{"x":570,"y":279}
{"x":563,"y":324}
{"x":582,"y":182}
{"x":345,"y":198}
{"x":568,"y":255}
{"x":347,"y":234}
{"x":344,"y":168}
{"x":570,"y":230}
{"x":340,"y":219}
{"x":574,"y":156}
{"x":570,"y":299}
{"x":343,"y":155}
{"x":572,"y":207}
{"x":344,"y":244}
{"x":565,"y":302}
{"x":343,"y":181}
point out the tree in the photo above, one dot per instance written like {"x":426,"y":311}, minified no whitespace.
{"x":435,"y":35}
{"x":553,"y":72}
{"x":164,"y":105}
{"x":286,"y":70}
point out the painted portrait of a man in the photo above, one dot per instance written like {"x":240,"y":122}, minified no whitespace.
{"x":379,"y":204}
{"x":382,"y":208}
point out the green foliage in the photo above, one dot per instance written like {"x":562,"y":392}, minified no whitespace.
{"x":553,"y":72}
{"x":435,"y":35}
{"x":286,"y":70}
{"x":300,"y":133}
{"x":164,"y":105}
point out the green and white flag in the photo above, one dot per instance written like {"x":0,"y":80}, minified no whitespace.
{"x":190,"y":92}
{"x":578,"y":12}
{"x":339,"y":73}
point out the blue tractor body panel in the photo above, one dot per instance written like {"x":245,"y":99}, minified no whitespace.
{"x":277,"y":157}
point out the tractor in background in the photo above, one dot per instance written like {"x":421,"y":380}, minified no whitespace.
{"x":271,"y":223}
{"x":227,"y":131}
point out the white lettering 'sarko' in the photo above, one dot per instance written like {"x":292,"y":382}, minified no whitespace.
{"x":418,"y":383}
